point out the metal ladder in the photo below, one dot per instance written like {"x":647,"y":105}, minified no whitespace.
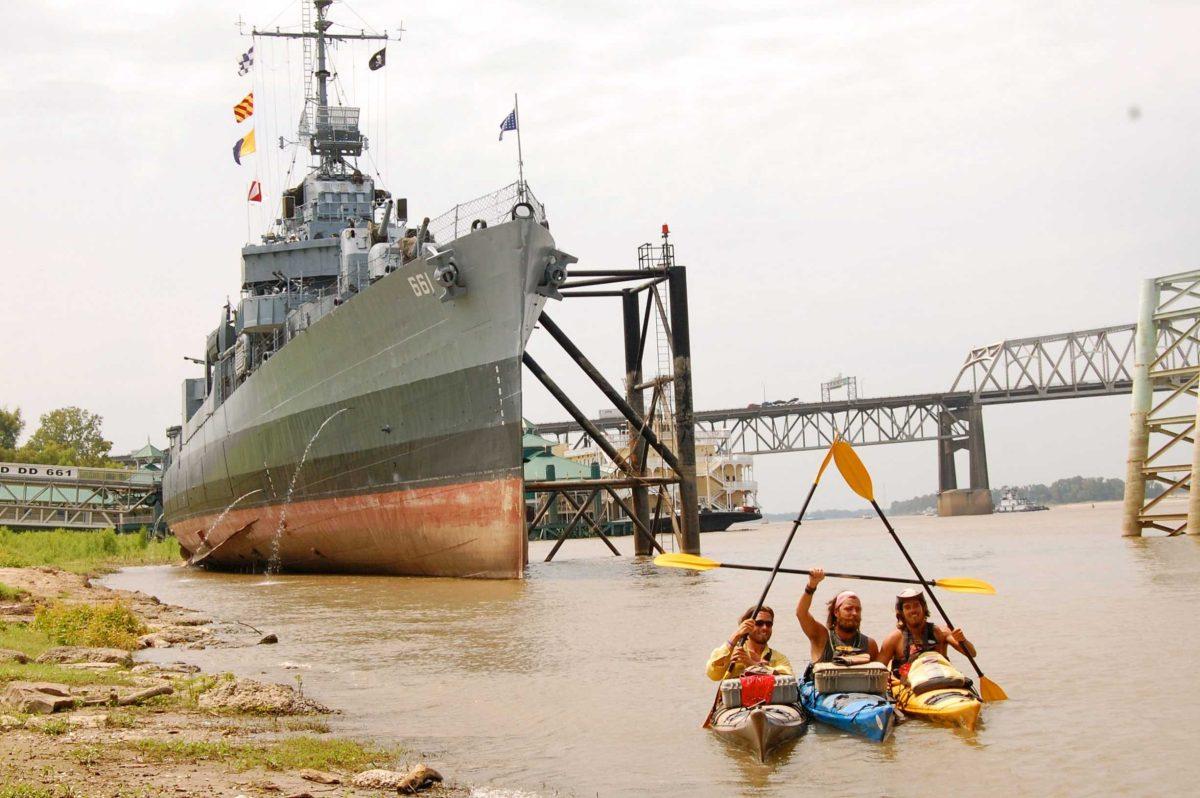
{"x":663,"y":423}
{"x":306,"y":25}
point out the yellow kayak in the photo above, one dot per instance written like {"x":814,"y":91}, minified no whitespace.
{"x":936,"y":691}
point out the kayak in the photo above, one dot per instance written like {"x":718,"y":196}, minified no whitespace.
{"x":866,"y":714}
{"x":936,"y":691}
{"x":761,"y":728}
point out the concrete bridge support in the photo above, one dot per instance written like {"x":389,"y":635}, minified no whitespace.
{"x":1166,"y":361}
{"x":976,"y":499}
{"x":1139,"y":431}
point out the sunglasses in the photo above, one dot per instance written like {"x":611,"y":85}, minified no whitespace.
{"x":767,"y":624}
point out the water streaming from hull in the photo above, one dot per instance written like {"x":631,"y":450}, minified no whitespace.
{"x":200,"y":555}
{"x":273,"y":564}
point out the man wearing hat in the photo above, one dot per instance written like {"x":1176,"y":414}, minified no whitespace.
{"x":840,"y":637}
{"x":914,"y":634}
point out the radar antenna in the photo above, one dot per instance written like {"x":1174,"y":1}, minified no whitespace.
{"x":332,"y":132}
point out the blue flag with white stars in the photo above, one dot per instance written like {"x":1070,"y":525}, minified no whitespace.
{"x":509,"y":123}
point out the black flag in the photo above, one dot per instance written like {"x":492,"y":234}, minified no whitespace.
{"x":378,"y":60}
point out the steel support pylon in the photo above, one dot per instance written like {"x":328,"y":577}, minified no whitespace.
{"x":1162,"y":434}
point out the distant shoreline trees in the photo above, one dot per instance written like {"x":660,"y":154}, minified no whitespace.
{"x":66,"y":436}
{"x":1063,"y":491}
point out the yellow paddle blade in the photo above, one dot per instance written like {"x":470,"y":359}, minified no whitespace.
{"x":962,"y":584}
{"x":689,"y":561}
{"x":824,"y":465}
{"x":853,"y":471}
{"x":990,"y":691}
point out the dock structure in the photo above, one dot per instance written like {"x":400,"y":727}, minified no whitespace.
{"x":1165,"y":413}
{"x":71,"y":497}
{"x":667,"y":426}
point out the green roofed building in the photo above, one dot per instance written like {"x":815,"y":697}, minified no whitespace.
{"x":541,"y":463}
{"x":149,"y":457}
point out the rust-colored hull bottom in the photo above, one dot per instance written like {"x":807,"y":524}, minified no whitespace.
{"x":474,"y":529}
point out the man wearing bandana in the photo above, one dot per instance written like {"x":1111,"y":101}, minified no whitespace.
{"x":840,"y":637}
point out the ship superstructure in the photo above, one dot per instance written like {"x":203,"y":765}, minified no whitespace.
{"x":361,"y":404}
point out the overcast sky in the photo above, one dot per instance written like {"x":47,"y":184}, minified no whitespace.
{"x":869,"y":188}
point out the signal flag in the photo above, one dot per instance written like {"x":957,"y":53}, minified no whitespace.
{"x":245,"y":109}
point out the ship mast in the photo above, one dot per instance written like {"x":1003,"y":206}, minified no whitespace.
{"x":335,"y":134}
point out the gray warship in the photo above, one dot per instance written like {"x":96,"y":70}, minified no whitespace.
{"x":361,"y":405}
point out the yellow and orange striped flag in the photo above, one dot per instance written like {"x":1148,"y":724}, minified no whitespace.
{"x":245,"y":109}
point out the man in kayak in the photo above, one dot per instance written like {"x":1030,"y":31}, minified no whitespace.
{"x":914,"y":635}
{"x":841,"y":635}
{"x":754,"y":653}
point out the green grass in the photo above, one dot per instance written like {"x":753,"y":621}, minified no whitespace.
{"x":190,"y":688}
{"x":55,"y":727}
{"x":121,"y":720}
{"x":24,"y":638}
{"x":291,"y":753}
{"x":10,"y":593}
{"x":23,"y":790}
{"x":32,"y":642}
{"x":37,"y":672}
{"x":109,"y":625}
{"x":87,"y":755}
{"x":83,"y":551}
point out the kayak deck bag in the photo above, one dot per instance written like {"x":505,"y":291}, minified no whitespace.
{"x":868,"y":678}
{"x":786,"y":691}
{"x":932,"y":671}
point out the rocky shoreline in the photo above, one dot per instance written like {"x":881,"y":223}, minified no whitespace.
{"x":88,"y":721}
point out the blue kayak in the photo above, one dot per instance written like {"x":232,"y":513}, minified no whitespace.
{"x":861,"y":713}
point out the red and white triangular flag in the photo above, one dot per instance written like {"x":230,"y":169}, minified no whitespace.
{"x":255,"y":192}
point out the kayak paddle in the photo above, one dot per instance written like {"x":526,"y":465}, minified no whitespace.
{"x":960,"y":584}
{"x":856,"y":476}
{"x":763,"y":598}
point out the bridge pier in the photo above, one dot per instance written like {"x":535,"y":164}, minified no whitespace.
{"x":962,"y":428}
{"x":1166,"y":360}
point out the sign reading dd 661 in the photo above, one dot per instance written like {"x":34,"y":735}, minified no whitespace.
{"x":31,"y":471}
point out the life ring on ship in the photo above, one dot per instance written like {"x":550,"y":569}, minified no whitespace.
{"x":528,"y":211}
{"x":478,"y":224}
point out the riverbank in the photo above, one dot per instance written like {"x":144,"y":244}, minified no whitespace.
{"x":84,"y":551}
{"x":90,"y":720}
{"x":587,"y":677}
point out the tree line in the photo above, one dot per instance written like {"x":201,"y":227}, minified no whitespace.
{"x":66,"y":436}
{"x":1062,"y":491}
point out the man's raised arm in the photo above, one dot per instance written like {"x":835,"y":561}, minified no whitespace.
{"x":811,"y":626}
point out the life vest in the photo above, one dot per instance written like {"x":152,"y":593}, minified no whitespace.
{"x":860,"y":645}
{"x":912,"y":648}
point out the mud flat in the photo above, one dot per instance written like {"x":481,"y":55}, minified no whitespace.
{"x":91,"y":720}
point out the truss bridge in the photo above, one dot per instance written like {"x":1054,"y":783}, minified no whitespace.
{"x":1070,"y":365}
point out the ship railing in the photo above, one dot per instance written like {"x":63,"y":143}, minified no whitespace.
{"x":493,"y":208}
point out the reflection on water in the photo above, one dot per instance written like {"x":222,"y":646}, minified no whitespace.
{"x":587,"y":678}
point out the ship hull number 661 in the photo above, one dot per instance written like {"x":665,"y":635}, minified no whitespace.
{"x":420,"y":285}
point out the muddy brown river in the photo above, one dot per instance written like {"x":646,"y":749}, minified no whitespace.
{"x":587,"y":678}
